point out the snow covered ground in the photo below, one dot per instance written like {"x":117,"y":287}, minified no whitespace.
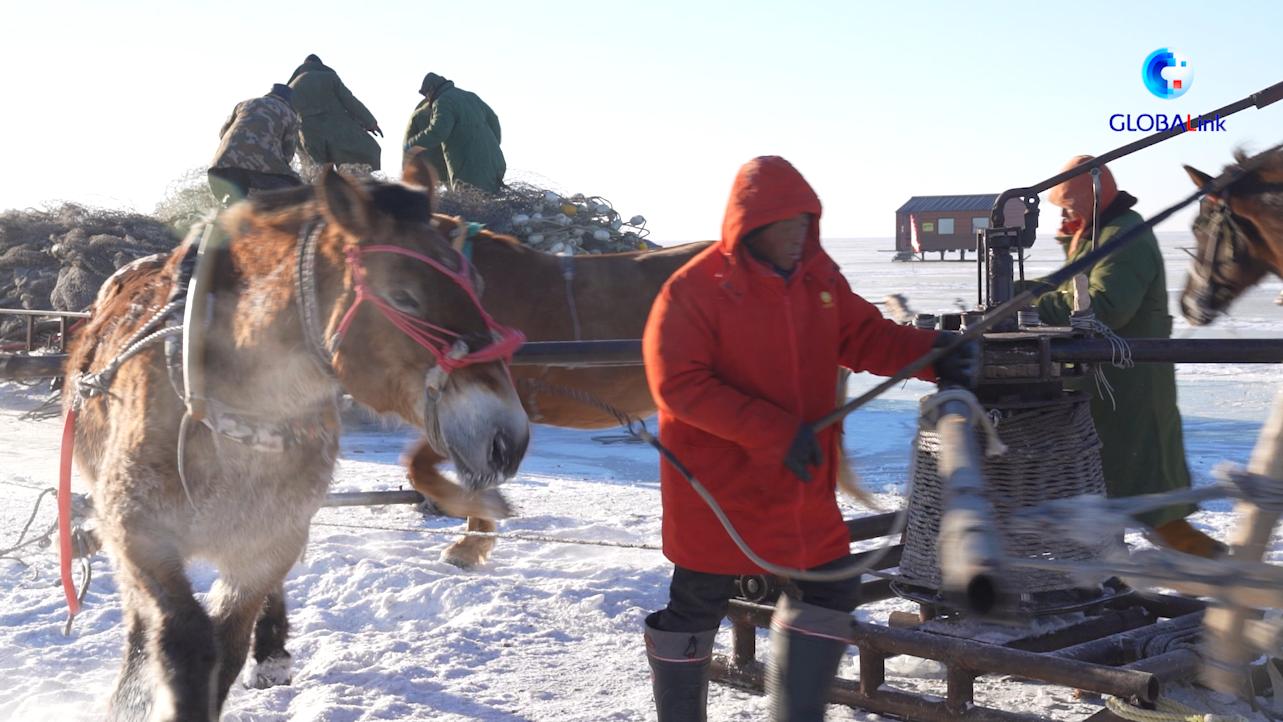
{"x":384,"y":631}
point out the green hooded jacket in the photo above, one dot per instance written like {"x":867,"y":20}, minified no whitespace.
{"x":461,"y":134}
{"x":334,"y":121}
{"x":1143,"y":450}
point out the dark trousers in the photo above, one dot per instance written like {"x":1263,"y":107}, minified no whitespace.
{"x":698,"y":601}
{"x":230,"y":185}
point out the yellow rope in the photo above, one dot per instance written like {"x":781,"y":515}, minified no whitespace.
{"x":1168,"y":711}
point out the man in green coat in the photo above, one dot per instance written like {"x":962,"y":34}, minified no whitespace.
{"x":461,"y":134}
{"x":1143,"y":451}
{"x":335,"y":123}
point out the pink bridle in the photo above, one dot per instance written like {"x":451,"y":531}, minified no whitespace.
{"x":438,"y":340}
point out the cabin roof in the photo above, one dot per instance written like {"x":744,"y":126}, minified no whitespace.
{"x":932,"y":204}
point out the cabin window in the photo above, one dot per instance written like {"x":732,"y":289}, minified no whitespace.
{"x":979,"y":223}
{"x":946,"y":226}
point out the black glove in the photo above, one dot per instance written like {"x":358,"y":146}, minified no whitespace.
{"x":960,"y":366}
{"x":803,"y":452}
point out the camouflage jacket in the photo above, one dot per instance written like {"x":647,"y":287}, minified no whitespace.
{"x":259,"y":136}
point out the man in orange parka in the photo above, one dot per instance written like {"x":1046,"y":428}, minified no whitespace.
{"x":741,"y":349}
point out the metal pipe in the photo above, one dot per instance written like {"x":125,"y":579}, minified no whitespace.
{"x":373,"y":498}
{"x":42,"y":313}
{"x":1167,"y":605}
{"x":627,"y":352}
{"x":1259,"y":99}
{"x":871,"y":526}
{"x":1090,"y":629}
{"x":1122,"y":648}
{"x":1000,"y":352}
{"x":969,"y":547}
{"x":612,"y":352}
{"x":19,"y":367}
{"x":1172,"y":667}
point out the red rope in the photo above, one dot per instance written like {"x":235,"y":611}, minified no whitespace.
{"x":64,"y":513}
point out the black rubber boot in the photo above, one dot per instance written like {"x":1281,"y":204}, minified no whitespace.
{"x":807,"y":643}
{"x":679,"y":667}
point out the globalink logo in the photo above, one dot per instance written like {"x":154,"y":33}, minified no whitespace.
{"x":1167,"y":73}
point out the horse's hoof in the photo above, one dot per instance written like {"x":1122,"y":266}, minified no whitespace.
{"x":459,"y":559}
{"x":464,"y":555}
{"x":275,"y":671}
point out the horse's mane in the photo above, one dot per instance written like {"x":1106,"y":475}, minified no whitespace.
{"x":399,"y":201}
{"x":1266,"y":180}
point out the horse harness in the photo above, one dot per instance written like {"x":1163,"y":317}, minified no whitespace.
{"x":1229,"y":244}
{"x":461,"y":238}
{"x":173,"y":325}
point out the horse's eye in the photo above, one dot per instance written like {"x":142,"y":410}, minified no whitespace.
{"x":404,"y":301}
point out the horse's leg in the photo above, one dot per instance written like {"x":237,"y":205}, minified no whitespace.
{"x":272,"y":663}
{"x":471,"y":550}
{"x":131,"y":699}
{"x":234,"y":607}
{"x":451,"y":498}
{"x":180,"y":639}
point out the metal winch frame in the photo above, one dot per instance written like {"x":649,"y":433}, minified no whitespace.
{"x":1128,"y":646}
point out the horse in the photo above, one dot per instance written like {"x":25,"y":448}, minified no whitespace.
{"x":1239,"y":235}
{"x":341,"y":287}
{"x":558,"y":298}
{"x":1239,"y":232}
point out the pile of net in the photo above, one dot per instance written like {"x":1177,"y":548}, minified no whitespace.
{"x":546,"y":220}
{"x":57,"y":257}
{"x":537,"y":216}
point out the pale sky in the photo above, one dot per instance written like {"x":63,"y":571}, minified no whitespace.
{"x":654,"y":104}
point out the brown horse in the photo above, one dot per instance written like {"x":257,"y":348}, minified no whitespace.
{"x":1239,"y":235}
{"x":358,"y":265}
{"x":559,"y":298}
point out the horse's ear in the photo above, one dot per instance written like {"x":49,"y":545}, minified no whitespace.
{"x":1200,"y":178}
{"x":416,"y":170}
{"x":344,"y":204}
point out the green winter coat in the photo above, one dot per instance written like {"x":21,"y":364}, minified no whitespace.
{"x":462,"y":136}
{"x":1143,"y":451}
{"x":334,"y":121}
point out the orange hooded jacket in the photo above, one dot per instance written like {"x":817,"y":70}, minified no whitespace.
{"x":737,"y":357}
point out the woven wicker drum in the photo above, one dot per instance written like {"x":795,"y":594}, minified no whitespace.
{"x":1052,"y":453}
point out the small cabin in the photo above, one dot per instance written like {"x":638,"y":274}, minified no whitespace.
{"x":928,"y":224}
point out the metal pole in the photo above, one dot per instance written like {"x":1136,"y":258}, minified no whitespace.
{"x":1143,"y":350}
{"x":611,"y":352}
{"x":373,"y":498}
{"x":19,"y":367}
{"x":871,"y":526}
{"x":1258,"y":99}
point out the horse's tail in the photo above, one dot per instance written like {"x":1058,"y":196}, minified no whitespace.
{"x":847,"y":480}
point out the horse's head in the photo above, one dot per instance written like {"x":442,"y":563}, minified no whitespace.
{"x":410,"y":334}
{"x":1237,"y":243}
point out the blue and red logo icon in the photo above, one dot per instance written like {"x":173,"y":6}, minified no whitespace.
{"x":1167,"y":73}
